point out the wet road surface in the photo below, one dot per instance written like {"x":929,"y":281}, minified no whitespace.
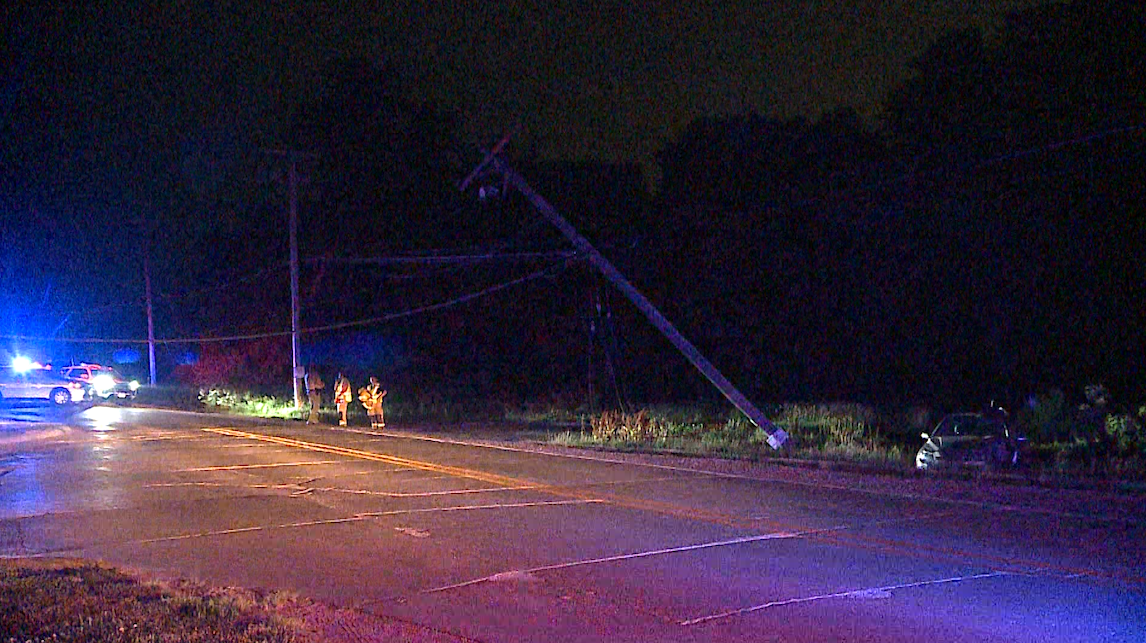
{"x":504,"y":543}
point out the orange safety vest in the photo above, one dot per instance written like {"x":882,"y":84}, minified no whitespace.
{"x":342,"y":390}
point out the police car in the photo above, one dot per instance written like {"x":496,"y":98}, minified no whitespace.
{"x":25,"y":380}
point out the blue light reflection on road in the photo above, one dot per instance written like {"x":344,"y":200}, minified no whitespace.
{"x":21,"y":493}
{"x":29,"y":481}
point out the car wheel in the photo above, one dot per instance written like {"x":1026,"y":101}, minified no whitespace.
{"x":60,"y":396}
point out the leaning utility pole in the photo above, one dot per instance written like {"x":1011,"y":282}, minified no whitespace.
{"x":776,"y":435}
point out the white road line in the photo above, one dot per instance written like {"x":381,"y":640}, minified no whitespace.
{"x":355,"y":518}
{"x":234,"y":467}
{"x":610,"y":559}
{"x":853,"y":592}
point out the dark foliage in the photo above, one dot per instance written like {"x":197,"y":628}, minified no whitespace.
{"x":982,"y":243}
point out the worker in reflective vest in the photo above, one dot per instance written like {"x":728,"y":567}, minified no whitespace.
{"x":371,"y":397}
{"x":342,"y":395}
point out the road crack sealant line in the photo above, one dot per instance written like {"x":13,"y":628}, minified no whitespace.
{"x":358,"y":517}
{"x":619,"y":557}
{"x":854,"y":593}
{"x":830,"y":535}
{"x":1002,"y":564}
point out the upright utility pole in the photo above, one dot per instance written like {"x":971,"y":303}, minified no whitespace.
{"x":298,"y":371}
{"x":296,"y":368}
{"x":776,"y":435}
{"x":150,"y":322}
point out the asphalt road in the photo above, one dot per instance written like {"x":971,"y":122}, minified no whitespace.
{"x":500,"y":542}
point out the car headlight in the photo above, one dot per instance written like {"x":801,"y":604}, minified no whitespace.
{"x":103,"y":383}
{"x":134,"y":385}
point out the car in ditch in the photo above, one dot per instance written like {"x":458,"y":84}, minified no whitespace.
{"x":39,"y":384}
{"x":969,"y":439}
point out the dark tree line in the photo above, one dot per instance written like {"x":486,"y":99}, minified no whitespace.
{"x":984,"y":240}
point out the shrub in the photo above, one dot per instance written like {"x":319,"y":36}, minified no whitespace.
{"x":825,"y":425}
{"x":1124,"y":432}
{"x":618,"y":426}
{"x":1046,"y":418}
{"x":246,"y":403}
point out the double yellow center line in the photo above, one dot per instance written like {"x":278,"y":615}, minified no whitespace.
{"x":460,"y":472}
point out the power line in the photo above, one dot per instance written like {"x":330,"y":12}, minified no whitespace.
{"x":450,"y":259}
{"x":537,"y":274}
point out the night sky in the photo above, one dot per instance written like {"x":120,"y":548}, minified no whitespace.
{"x":582,"y":80}
{"x":106,"y":109}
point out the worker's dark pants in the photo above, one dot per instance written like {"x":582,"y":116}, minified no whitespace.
{"x":315,"y":402}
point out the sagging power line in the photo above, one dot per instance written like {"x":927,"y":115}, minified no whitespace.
{"x":461,"y":299}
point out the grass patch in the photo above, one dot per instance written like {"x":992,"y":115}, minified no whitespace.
{"x":551,"y":414}
{"x":241,"y":403}
{"x":400,"y":406}
{"x":45,"y":601}
{"x":844,"y":432}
